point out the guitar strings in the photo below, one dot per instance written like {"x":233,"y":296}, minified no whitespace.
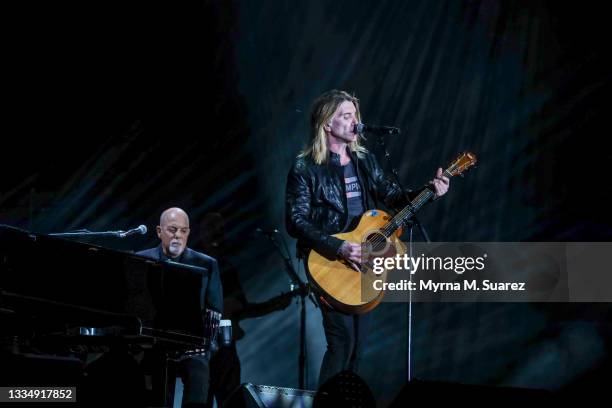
{"x":403,"y":215}
{"x":389,"y":228}
{"x":410,"y":209}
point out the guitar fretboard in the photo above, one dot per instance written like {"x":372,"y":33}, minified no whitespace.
{"x":404,"y":215}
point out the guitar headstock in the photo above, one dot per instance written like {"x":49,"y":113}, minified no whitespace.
{"x":461,"y":164}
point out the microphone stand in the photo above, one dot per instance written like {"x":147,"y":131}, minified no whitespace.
{"x":304,"y":292}
{"x":87,"y":233}
{"x":415,"y":220}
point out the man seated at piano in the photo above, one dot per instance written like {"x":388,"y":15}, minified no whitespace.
{"x":173,"y":232}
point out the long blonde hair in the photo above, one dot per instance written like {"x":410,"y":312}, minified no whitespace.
{"x":323,"y":110}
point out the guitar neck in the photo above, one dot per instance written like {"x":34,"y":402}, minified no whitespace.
{"x":415,"y":205}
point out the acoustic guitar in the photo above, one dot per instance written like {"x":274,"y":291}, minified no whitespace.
{"x":348,"y":287}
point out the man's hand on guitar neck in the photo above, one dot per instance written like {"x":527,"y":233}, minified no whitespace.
{"x":351,"y":253}
{"x":439,"y":184}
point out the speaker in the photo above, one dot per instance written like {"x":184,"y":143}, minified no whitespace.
{"x":345,"y":389}
{"x":266,"y":396}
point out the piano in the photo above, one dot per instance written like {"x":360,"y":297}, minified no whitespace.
{"x":57,"y":288}
{"x":63,"y":301}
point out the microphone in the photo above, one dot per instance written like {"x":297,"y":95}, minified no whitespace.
{"x":379,"y":130}
{"x":141,"y":229}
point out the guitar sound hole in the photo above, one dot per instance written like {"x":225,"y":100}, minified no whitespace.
{"x":377,"y":242}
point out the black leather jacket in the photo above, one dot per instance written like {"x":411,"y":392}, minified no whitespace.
{"x":315,"y":199}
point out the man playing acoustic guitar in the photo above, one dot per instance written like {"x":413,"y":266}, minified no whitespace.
{"x":330,"y":185}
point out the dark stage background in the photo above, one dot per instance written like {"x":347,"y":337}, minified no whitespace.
{"x":114,"y":113}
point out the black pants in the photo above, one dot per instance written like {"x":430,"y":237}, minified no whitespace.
{"x":345,"y":336}
{"x":224,"y":374}
{"x":194,"y":373}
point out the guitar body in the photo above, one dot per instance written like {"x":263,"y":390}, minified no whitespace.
{"x":344,"y":288}
{"x":352,"y":291}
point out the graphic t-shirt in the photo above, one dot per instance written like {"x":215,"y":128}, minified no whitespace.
{"x":353,"y":193}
